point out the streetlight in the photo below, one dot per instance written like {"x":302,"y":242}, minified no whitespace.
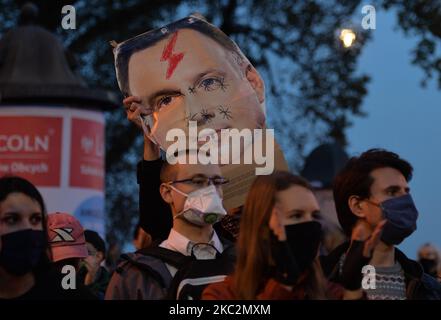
{"x":347,"y":37}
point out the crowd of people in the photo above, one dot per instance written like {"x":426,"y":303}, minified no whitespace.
{"x":277,"y":245}
{"x":189,"y":247}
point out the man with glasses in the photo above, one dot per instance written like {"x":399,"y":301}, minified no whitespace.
{"x":194,"y":194}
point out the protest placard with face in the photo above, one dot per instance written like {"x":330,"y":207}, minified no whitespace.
{"x":190,"y":73}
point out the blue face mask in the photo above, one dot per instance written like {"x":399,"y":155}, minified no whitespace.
{"x":401,"y":215}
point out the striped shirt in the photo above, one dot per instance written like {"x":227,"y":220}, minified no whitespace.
{"x":389,"y":284}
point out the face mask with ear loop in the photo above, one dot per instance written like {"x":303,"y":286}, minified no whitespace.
{"x":294,"y":255}
{"x":146,"y":124}
{"x":401,"y":215}
{"x":202,"y":207}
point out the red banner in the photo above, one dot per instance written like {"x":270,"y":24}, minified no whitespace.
{"x":87,"y":154}
{"x":30,"y":147}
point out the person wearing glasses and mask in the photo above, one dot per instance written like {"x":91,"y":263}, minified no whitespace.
{"x":194,"y":194}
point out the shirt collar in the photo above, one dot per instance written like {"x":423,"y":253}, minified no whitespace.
{"x":182,"y":244}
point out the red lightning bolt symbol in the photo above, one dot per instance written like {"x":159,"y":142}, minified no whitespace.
{"x":173,"y":58}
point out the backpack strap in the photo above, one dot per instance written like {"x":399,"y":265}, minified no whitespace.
{"x":153,"y":266}
{"x":229,"y":248}
{"x":176,"y":259}
{"x":159,"y":256}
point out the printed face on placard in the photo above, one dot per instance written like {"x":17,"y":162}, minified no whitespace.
{"x":188,"y":76}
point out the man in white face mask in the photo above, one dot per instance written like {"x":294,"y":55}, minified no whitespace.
{"x":194,"y":193}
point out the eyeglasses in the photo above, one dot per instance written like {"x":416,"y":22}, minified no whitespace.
{"x":202,"y":181}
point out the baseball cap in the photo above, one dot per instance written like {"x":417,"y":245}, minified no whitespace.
{"x":66,"y":237}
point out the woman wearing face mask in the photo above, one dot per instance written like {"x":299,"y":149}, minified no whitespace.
{"x":278,"y":244}
{"x":23,"y":240}
{"x":25,"y":270}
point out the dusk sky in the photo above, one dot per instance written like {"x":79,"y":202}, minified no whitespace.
{"x":405,"y":118}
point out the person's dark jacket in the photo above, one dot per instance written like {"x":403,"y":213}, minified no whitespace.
{"x":48,"y":286}
{"x":155,"y":216}
{"x":99,"y":286}
{"x":419,"y":285}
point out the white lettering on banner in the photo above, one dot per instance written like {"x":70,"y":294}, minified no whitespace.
{"x":89,"y":144}
{"x":99,"y":147}
{"x":21,"y":167}
{"x":26,"y":143}
{"x":91,"y":171}
{"x":86,"y":144}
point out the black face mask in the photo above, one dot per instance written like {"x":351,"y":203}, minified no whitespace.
{"x":429,"y":266}
{"x":296,"y":254}
{"x":21,"y":251}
